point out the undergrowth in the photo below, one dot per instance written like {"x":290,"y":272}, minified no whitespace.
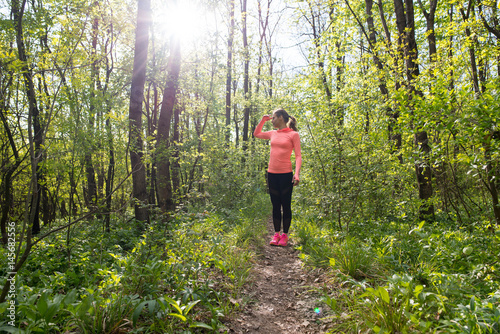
{"x":179,"y":276}
{"x":395,"y":276}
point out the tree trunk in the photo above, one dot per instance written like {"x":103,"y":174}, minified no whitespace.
{"x":246,"y":91}
{"x":91,"y":196}
{"x":162,"y":155}
{"x":229,"y":73}
{"x":6,"y":182}
{"x":153,"y":121}
{"x":176,"y":182}
{"x":492,"y":176}
{"x":37,"y":156}
{"x":405,"y":20}
{"x":319,"y":56}
{"x":139,"y":187}
{"x":479,"y":83}
{"x":110,"y":175}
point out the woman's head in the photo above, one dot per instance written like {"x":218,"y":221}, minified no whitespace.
{"x":290,"y":121}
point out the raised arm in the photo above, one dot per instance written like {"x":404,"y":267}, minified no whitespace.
{"x":258,"y":130}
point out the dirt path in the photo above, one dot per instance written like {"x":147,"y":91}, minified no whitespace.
{"x":283,"y":296}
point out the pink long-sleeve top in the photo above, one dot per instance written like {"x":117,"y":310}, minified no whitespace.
{"x":282,"y":143}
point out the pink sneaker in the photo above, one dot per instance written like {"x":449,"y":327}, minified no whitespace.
{"x":276,"y":239}
{"x":283,"y":240}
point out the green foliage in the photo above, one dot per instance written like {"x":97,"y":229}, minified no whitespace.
{"x":356,"y":207}
{"x":171,"y":277}
{"x":353,"y":258}
{"x":398,"y":307}
{"x":315,"y":245}
{"x":417,"y":278}
{"x":478,"y":316}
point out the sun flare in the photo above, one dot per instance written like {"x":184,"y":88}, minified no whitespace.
{"x":184,"y":18}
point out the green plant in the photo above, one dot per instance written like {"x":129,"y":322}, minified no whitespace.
{"x":314,"y":243}
{"x":388,"y":314}
{"x":478,"y":317}
{"x":353,"y":258}
{"x":167,"y":306}
{"x":105,"y":313}
{"x":42,"y":311}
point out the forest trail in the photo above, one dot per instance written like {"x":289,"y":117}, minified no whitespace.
{"x":283,"y":296}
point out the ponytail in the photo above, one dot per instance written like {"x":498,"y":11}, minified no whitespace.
{"x":292,"y":124}
{"x":290,"y":121}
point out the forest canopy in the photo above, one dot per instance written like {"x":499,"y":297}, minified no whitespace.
{"x":133,"y":113}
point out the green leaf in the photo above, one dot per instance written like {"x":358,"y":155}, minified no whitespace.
{"x":180,"y":316}
{"x":8,"y":329}
{"x":84,"y":306}
{"x":190,"y":306}
{"x":174,"y":303}
{"x":137,"y":312}
{"x":467,"y":250}
{"x":200,"y":325}
{"x":152,"y":305}
{"x":472,"y":304}
{"x":41,"y":305}
{"x":384,"y":295}
{"x":418,"y":290}
{"x":70,"y":297}
{"x":53,"y":307}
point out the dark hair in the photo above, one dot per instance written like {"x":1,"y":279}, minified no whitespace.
{"x":290,"y":121}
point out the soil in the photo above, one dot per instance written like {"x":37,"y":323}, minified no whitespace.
{"x":283,"y":296}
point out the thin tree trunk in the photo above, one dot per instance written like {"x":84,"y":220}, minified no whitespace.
{"x":200,"y":132}
{"x":406,"y":27}
{"x":6,"y":184}
{"x":492,"y":184}
{"x":472,"y":51}
{"x":164,"y":182}
{"x":246,"y":91}
{"x":319,"y":56}
{"x":229,"y":69}
{"x":37,"y":157}
{"x":176,"y":183}
{"x":110,"y":174}
{"x":139,"y":187}
{"x":153,"y":191}
{"x":91,"y":197}
{"x":393,"y":113}
{"x":479,"y":83}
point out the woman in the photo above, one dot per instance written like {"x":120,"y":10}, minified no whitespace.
{"x":279,"y":173}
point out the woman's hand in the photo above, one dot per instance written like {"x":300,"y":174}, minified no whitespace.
{"x":266,"y":118}
{"x":295,"y":181}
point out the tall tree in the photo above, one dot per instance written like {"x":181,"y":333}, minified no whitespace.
{"x":478,"y":69}
{"x":317,"y":30}
{"x":164,"y":182}
{"x":395,"y":138}
{"x":405,"y":21}
{"x":10,"y":167}
{"x":37,"y":154}
{"x":91,"y":195}
{"x":139,"y":185}
{"x":229,"y":68}
{"x":246,"y":80}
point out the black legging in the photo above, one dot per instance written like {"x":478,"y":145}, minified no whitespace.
{"x":280,"y":189}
